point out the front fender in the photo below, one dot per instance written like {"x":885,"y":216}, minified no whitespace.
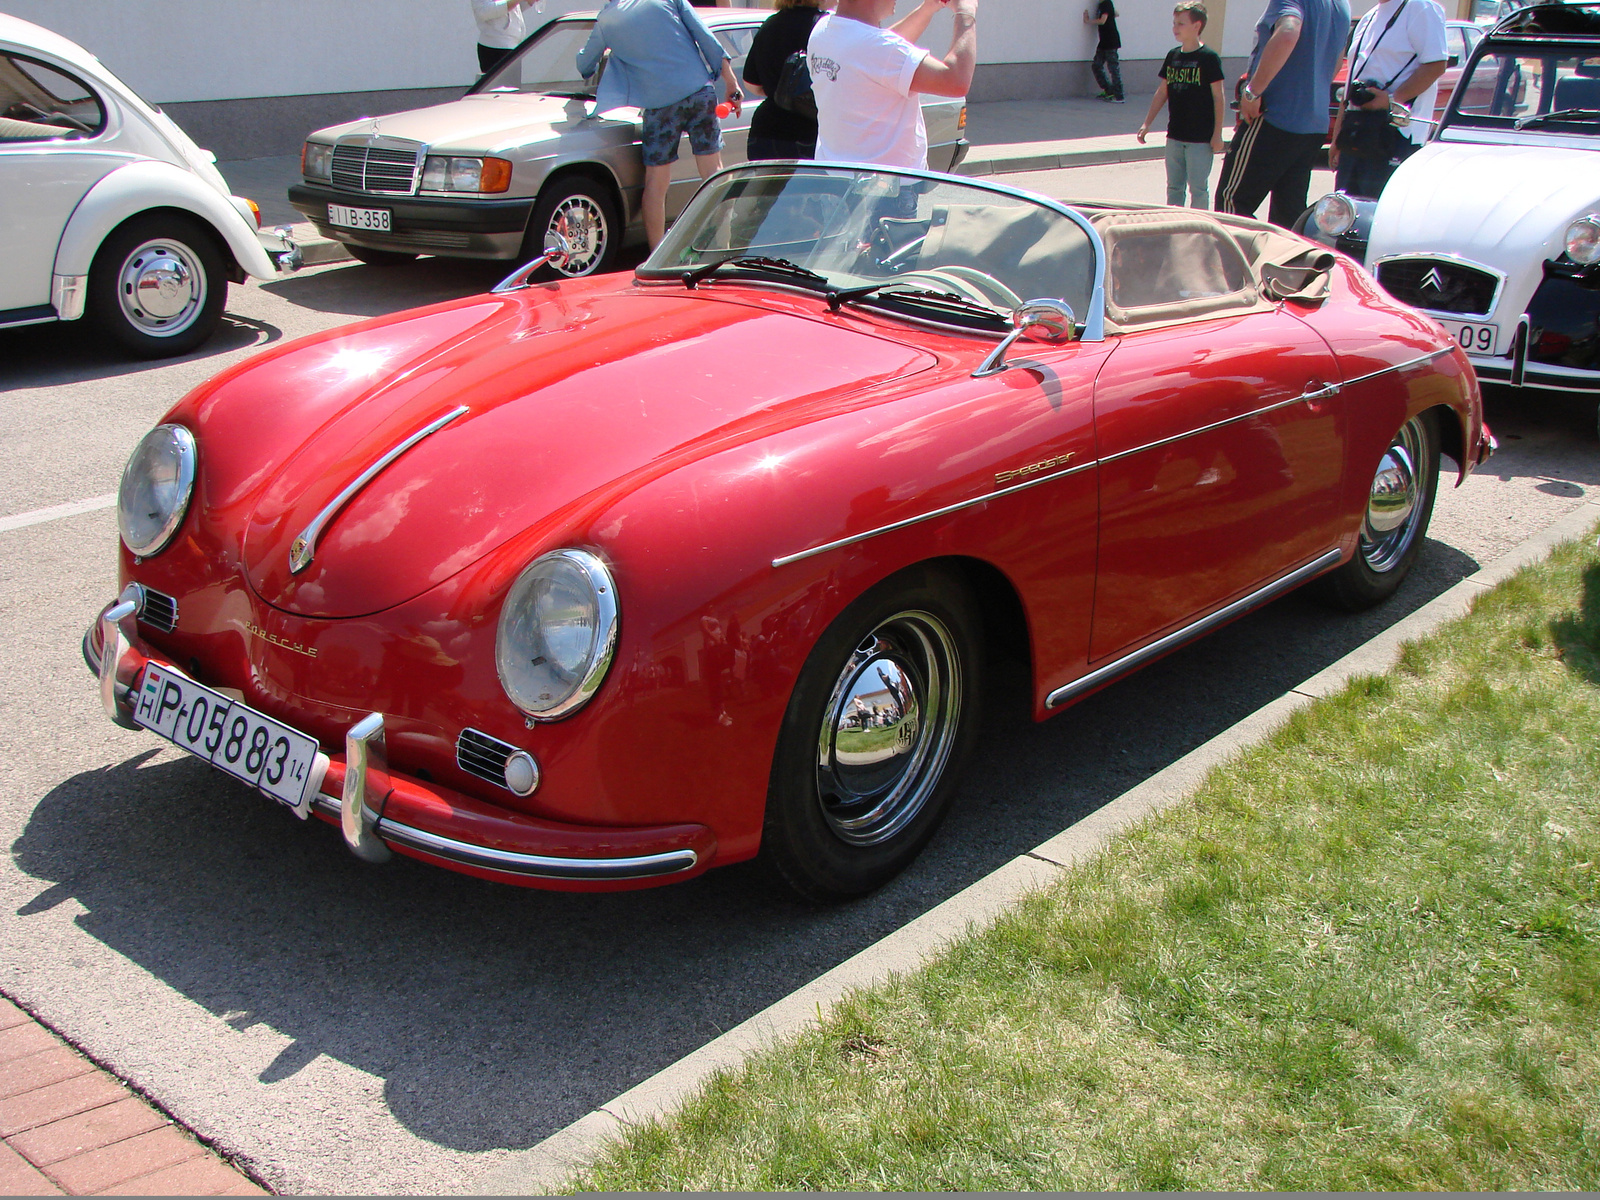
{"x":141,"y":186}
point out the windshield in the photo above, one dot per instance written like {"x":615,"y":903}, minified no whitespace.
{"x":545,"y":64}
{"x":901,"y":241}
{"x":1520,"y":88}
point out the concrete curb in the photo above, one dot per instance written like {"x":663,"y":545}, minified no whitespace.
{"x":548,"y":1164}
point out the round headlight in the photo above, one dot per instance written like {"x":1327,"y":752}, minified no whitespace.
{"x":1334,"y":214}
{"x":1583,"y":240}
{"x":155,"y":490}
{"x":558,"y":631}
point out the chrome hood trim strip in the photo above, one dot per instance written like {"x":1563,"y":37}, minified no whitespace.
{"x":304,"y":547}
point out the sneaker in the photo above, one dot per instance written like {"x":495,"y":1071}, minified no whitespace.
{"x":1106,"y":96}
{"x":1118,"y":100}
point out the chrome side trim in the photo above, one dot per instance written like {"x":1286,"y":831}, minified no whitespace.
{"x":1405,"y":366}
{"x":539,"y":866}
{"x":68,"y":295}
{"x":304,"y":547}
{"x":366,"y":786}
{"x":1173,"y":640}
{"x":928,"y":516}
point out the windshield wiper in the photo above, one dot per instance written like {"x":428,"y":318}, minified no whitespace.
{"x":754,"y":262}
{"x":924,"y":296}
{"x":1558,"y":115}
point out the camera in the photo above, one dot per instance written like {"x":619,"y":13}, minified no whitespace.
{"x":1361,"y":93}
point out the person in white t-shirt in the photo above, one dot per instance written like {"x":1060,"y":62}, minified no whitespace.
{"x":501,"y":28}
{"x":1399,"y":48}
{"x":867,"y":79}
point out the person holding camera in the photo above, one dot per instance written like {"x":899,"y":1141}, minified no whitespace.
{"x":1396,"y":57}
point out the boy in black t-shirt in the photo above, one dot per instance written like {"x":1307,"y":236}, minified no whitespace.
{"x":1191,"y":82}
{"x":1107,"y":66}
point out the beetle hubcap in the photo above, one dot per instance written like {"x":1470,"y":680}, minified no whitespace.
{"x":161,"y":288}
{"x":888,"y":728}
{"x":1395,"y":502}
{"x":580,"y":221}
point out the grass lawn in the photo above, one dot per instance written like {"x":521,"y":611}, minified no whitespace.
{"x":1366,"y":955}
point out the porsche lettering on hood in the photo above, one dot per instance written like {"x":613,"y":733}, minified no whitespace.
{"x":698,"y":378}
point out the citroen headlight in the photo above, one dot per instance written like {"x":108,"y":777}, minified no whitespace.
{"x":155,"y":490}
{"x":1583,"y":240}
{"x":1335,"y":214}
{"x":558,"y":631}
{"x":441,"y":173}
{"x":316,"y":161}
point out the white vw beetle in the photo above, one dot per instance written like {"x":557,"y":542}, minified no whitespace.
{"x":1493,"y":227}
{"x":109,"y":211}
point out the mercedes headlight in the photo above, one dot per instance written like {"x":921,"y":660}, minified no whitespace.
{"x":316,"y":161}
{"x":558,"y":631}
{"x":1583,"y":240}
{"x":441,"y":173}
{"x":155,"y":490}
{"x":1335,"y":214}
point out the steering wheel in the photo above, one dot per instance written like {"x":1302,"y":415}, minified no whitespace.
{"x":969,"y":283}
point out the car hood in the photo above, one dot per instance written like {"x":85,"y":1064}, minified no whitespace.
{"x":485,"y":124}
{"x":1503,"y":206}
{"x":566,"y":400}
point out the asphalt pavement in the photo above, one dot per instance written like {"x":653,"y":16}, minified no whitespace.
{"x":345,"y":1028}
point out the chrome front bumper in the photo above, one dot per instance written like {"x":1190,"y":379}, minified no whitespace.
{"x":280,"y":246}
{"x":365,"y":782}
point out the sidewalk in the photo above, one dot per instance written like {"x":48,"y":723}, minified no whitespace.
{"x":69,"y":1128}
{"x":1006,"y":136}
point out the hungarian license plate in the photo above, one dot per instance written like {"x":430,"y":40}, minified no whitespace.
{"x":376,"y":219}
{"x":1474,"y":337}
{"x":228,"y":734}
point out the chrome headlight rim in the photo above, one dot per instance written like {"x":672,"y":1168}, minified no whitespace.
{"x":1335,"y":214}
{"x":1582,"y":240}
{"x":187,"y":464}
{"x":602,"y":649}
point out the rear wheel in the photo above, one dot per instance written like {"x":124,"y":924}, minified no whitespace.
{"x":379,"y":258}
{"x":580,"y":210}
{"x":157,"y":285}
{"x":1399,"y":505}
{"x":884,"y":712}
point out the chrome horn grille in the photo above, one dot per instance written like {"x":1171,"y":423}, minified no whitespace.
{"x":499,"y":762}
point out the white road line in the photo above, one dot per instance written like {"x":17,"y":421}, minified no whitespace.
{"x":56,"y":511}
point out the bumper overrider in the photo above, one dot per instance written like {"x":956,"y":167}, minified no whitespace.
{"x":380,"y":810}
{"x":468,"y":227}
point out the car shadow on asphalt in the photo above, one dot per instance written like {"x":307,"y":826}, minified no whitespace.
{"x":496,"y":1015}
{"x":64,"y":352}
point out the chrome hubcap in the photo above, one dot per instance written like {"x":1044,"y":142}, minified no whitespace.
{"x":888,"y":729}
{"x":161,"y":288}
{"x":1395,"y":502}
{"x":580,"y":221}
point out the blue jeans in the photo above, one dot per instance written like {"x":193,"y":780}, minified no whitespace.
{"x":1107,"y":68}
{"x":1189,"y":163}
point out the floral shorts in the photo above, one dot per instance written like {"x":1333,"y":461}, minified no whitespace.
{"x":695,"y":115}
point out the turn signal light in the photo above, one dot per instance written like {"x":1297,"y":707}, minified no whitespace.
{"x":496,"y":175}
{"x":961,"y":121}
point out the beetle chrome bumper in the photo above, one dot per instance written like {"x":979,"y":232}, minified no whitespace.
{"x":378,"y":810}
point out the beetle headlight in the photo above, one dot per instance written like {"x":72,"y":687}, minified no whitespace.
{"x":558,"y":631}
{"x":316,"y":161}
{"x":1583,"y":240}
{"x":1335,"y":214}
{"x":155,"y":490}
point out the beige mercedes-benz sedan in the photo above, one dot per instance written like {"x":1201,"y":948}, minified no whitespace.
{"x":523,"y":154}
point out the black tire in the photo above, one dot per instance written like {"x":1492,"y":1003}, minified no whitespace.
{"x":835,"y":830}
{"x":379,"y":258}
{"x":581,"y":209}
{"x":157,"y":285}
{"x":1394,"y":525}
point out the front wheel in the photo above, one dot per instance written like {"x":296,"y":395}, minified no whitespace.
{"x":157,"y":285}
{"x":884,"y":712}
{"x":580,"y":210}
{"x":1399,"y":505}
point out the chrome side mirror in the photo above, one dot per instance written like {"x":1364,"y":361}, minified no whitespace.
{"x":1048,"y":321}
{"x":557,"y":250}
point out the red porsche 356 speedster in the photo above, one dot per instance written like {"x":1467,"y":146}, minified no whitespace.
{"x":597,"y":584}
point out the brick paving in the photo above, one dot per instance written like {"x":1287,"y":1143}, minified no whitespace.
{"x":69,"y":1128}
